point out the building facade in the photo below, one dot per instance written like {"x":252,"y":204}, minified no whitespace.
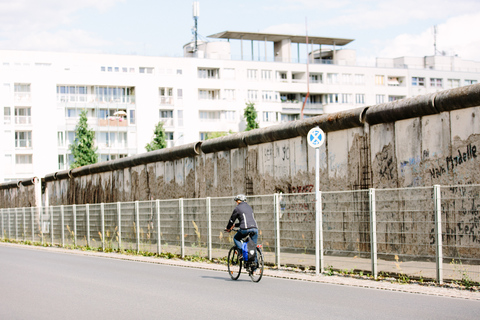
{"x":195,"y":96}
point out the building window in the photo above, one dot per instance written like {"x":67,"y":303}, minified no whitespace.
{"x":22,"y":87}
{"x":346,"y":98}
{"x":453,"y":83}
{"x":204,"y":73}
{"x":395,"y":98}
{"x":204,"y":94}
{"x":7,"y":117}
{"x":229,"y":115}
{"x":132,"y":116}
{"x":71,"y":94}
{"x":179,"y":71}
{"x":166,"y":95}
{"x":252,"y":95}
{"x":209,"y":116}
{"x":148,"y":70}
{"x":380,"y":98}
{"x":332,"y":78}
{"x":269,"y":95}
{"x":469,"y":82}
{"x":61,"y":162}
{"x":124,"y":69}
{"x":360,"y":98}
{"x":266,"y":75}
{"x":61,"y":139}
{"x":316,"y":78}
{"x":289,"y":117}
{"x":179,"y":94}
{"x":436,"y":82}
{"x":347,"y":78}
{"x":359,"y":79}
{"x":23,"y":139}
{"x":203,"y":136}
{"x":23,"y":159}
{"x":102,"y":68}
{"x":166,"y":116}
{"x":252,"y":74}
{"x":282,"y":76}
{"x":180,"y":118}
{"x":333,"y":98}
{"x":418,"y":81}
{"x":229,"y":94}
{"x":379,"y":80}
{"x":269,"y":116}
{"x":23,"y":115}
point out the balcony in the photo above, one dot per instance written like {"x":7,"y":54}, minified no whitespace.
{"x":23,"y":119}
{"x":167,"y":122}
{"x":166,"y":100}
{"x":112,"y":122}
{"x":22,"y":98}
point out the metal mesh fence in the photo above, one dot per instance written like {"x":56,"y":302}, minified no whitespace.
{"x":405,"y":229}
{"x":394,"y":231}
{"x":461,"y":232}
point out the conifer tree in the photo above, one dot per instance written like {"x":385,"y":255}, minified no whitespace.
{"x":83,"y":148}
{"x":159,"y":141}
{"x":250,"y":115}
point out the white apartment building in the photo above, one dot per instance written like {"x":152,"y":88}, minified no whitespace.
{"x":42,"y":93}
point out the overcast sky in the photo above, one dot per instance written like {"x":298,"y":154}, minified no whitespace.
{"x":388,"y":28}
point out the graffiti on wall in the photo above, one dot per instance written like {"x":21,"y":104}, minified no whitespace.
{"x":453,"y":161}
{"x":385,"y":164}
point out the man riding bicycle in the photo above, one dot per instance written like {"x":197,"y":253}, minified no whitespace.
{"x":246,"y":221}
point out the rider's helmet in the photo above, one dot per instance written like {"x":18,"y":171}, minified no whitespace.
{"x":240,"y":197}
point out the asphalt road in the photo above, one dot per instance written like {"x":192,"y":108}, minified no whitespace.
{"x":47,"y":285}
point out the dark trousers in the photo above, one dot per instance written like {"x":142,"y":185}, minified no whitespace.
{"x":242,"y":234}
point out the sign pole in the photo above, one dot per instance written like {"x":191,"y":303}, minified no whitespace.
{"x":315,"y":138}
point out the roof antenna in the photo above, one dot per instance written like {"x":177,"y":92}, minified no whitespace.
{"x":196,"y":14}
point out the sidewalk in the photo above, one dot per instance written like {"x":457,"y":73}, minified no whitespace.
{"x":284,"y":273}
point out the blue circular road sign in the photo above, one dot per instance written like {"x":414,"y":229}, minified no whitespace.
{"x":316,"y":137}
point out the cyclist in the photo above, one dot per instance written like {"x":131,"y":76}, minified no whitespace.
{"x":246,"y":221}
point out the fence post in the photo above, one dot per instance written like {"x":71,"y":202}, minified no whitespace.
{"x":182,"y":226}
{"x":42,"y":210}
{"x":438,"y":232}
{"x":87,"y":212}
{"x":276,"y":205}
{"x":24,"y":230}
{"x":8,"y":221}
{"x":62,"y":217}
{"x":51,"y":225}
{"x":319,"y":263}
{"x":16,"y":223}
{"x":209,"y":217}
{"x":3,"y":236}
{"x":119,"y":215}
{"x":32,"y":214}
{"x":159,"y":238}
{"x":74,"y":211}
{"x":373,"y":231}
{"x":102,"y":217}
{"x":137,"y":224}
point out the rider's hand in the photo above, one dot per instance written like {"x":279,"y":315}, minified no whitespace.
{"x":227,"y":230}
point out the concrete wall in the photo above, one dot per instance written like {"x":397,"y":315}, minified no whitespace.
{"x":418,"y":142}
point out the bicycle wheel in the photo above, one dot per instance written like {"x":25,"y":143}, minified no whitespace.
{"x":234,"y":263}
{"x":256,"y":271}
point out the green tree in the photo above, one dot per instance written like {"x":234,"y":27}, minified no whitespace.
{"x":158,"y":141}
{"x":83,"y":148}
{"x":250,"y":115}
{"x":218,"y":134}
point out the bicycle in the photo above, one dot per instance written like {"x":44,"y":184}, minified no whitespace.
{"x":235,"y":263}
